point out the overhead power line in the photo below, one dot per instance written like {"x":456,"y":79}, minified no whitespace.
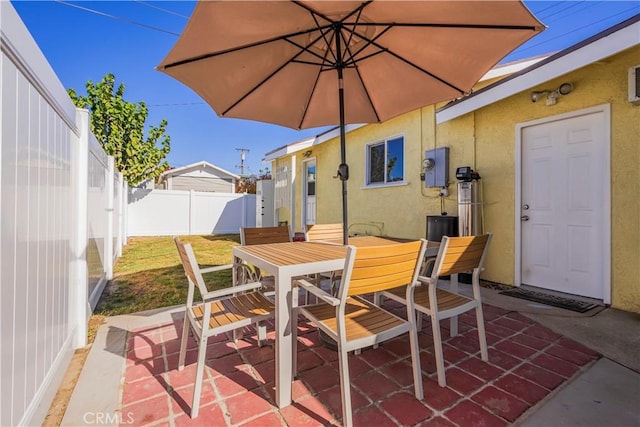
{"x":171,"y":12}
{"x":117,"y":18}
{"x":177,"y":104}
{"x":577,"y":29}
{"x":567,"y":6}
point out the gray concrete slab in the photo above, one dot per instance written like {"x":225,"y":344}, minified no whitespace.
{"x":98,"y":393}
{"x":607,"y":394}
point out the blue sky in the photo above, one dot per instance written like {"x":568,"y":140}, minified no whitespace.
{"x":129,"y":38}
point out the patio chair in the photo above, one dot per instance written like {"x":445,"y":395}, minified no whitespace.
{"x":219,"y":311}
{"x":456,"y":255}
{"x":353,"y":322}
{"x":315,"y":232}
{"x":325,"y":232}
{"x":261,"y":236}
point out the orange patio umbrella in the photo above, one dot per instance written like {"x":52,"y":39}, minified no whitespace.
{"x":304,"y":64}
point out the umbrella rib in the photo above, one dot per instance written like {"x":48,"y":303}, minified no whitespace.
{"x":372,"y":42}
{"x":284,"y":37}
{"x":316,"y":13}
{"x":306,"y":107}
{"x":351,"y":33}
{"x":274,"y":72}
{"x":315,"y":83}
{"x":369,"y":43}
{"x":326,"y":41}
{"x":433,"y":25}
{"x":306,"y":49}
{"x":366,"y":91}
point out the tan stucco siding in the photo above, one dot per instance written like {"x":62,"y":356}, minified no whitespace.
{"x":485,"y":139}
{"x":398,"y":211}
{"x":494,"y":129}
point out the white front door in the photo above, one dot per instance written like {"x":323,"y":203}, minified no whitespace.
{"x":563,"y":200}
{"x":309,"y":193}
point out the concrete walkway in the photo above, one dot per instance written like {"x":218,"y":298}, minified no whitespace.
{"x":605,"y":393}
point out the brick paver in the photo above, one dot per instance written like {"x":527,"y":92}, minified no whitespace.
{"x":526,"y":362}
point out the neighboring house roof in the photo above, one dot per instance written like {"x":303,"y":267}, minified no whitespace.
{"x":602,"y":45}
{"x":202,"y":164}
{"x":497,"y":71}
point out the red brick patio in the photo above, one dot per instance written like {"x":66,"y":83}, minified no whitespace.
{"x":526,"y":362}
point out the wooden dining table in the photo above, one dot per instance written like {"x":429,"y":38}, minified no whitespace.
{"x":284,"y":261}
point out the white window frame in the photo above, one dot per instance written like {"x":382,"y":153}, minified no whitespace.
{"x":367,"y":169}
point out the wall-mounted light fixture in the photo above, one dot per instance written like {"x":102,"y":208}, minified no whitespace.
{"x":552,"y":95}
{"x":306,"y":154}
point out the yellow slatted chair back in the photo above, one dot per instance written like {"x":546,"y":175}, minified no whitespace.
{"x":317,"y":232}
{"x":461,"y":254}
{"x":378,"y":268}
{"x":264,"y":235}
{"x":190,"y":265}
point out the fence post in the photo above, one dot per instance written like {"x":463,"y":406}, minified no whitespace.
{"x":125,"y":216}
{"x":108,"y":238}
{"x":79,"y":293}
{"x":245,"y":196}
{"x":120,"y":214}
{"x":192,"y":211}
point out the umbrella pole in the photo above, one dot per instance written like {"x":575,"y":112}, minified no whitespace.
{"x":343,"y":169}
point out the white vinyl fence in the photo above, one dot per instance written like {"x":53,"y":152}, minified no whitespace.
{"x":176,"y":212}
{"x":62,"y":211}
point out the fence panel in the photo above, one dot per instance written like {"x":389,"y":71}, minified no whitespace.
{"x":156,"y":212}
{"x":55,"y":220}
{"x":36,"y":198}
{"x":96,"y":219}
{"x":221,"y":213}
{"x":175,"y":212}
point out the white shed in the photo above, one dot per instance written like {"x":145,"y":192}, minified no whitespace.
{"x":201,"y":176}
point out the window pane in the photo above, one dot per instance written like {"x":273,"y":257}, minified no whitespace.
{"x":376,"y":163}
{"x":395,"y":160}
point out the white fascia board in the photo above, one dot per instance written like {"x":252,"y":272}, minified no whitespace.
{"x":512,"y":67}
{"x":309,"y":142}
{"x":288,"y":149}
{"x":593,"y":52}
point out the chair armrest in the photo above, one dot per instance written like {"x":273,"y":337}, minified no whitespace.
{"x":425,"y":280}
{"x":324,"y":296}
{"x":216,"y":268}
{"x":425,"y":265}
{"x":232,"y":290}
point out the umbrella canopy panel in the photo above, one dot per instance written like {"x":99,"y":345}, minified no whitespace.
{"x":275,"y":61}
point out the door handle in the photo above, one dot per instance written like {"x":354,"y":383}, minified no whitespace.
{"x":524,"y":217}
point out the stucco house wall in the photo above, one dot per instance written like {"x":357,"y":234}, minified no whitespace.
{"x":485,"y":140}
{"x":492,"y":128}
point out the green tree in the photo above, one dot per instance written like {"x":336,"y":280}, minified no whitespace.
{"x":247,"y":184}
{"x":119,"y":127}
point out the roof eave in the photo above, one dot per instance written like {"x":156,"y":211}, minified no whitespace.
{"x":607,"y":43}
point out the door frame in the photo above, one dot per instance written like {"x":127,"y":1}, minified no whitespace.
{"x":303,"y":213}
{"x":606,"y":202}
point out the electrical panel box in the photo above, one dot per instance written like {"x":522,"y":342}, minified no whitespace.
{"x":436,"y":167}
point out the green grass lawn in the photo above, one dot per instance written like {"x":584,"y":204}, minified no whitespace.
{"x":149,"y":274}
